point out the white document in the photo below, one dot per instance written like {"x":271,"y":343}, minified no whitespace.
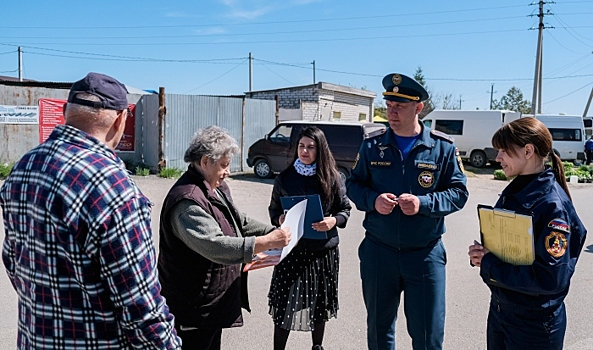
{"x":294,"y":219}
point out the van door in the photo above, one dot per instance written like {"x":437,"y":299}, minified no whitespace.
{"x":279,"y":148}
{"x":344,"y":142}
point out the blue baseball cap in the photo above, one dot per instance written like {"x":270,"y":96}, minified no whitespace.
{"x":401,"y":88}
{"x":111,"y":93}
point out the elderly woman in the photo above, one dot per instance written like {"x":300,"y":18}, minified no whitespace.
{"x":204,"y":240}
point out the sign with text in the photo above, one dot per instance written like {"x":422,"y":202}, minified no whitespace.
{"x":19,"y":114}
{"x":51,"y":113}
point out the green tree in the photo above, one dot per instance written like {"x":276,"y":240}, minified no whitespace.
{"x":513,"y":101}
{"x":428,"y":104}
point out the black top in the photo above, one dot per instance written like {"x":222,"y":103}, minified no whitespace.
{"x":291,"y":183}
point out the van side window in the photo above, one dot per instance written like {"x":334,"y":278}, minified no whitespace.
{"x":450,"y":127}
{"x":282,"y":134}
{"x":428,"y":123}
{"x":565,"y":134}
{"x":338,"y":135}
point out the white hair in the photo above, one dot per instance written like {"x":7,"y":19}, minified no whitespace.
{"x":213,"y":142}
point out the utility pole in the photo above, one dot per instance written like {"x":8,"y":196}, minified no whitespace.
{"x":250,"y":72}
{"x":20,"y":64}
{"x":492,"y":95}
{"x":460,"y":102}
{"x":588,"y":104}
{"x":313,"y":63}
{"x":536,"y":100}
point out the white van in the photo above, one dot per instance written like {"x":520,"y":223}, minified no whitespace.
{"x":472,"y":131}
{"x":568,"y":135}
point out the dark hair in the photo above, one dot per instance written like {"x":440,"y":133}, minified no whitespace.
{"x":331,"y":183}
{"x":525,"y":131}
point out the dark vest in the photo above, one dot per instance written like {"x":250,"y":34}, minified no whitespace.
{"x":199,"y":292}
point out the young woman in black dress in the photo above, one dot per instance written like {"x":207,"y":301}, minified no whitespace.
{"x":304,"y":289}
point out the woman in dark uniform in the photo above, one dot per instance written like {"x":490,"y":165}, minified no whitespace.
{"x":304,"y":289}
{"x":527,"y":303}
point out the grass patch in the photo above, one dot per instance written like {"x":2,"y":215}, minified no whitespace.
{"x":170,"y":173}
{"x":499,"y":175}
{"x":5,"y":170}
{"x":140,"y":171}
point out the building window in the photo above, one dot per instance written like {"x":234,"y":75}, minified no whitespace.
{"x":362,"y":117}
{"x":337,"y":116}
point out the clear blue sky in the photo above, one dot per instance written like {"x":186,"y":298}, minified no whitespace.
{"x":201,"y":47}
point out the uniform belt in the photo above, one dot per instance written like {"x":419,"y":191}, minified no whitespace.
{"x":429,"y":244}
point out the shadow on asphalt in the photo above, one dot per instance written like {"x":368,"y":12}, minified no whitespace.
{"x":252,"y":178}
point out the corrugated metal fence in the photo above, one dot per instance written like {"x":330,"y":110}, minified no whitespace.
{"x":246,"y":120}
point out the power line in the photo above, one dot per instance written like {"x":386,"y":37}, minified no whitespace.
{"x":220,"y":76}
{"x":282,"y":41}
{"x":423,"y":24}
{"x":570,"y":93}
{"x":122,"y":58}
{"x":304,"y":66}
{"x":325,"y":20}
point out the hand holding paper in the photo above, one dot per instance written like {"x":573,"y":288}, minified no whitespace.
{"x":293,"y":222}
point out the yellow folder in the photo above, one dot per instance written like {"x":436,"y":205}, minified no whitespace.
{"x":507,"y":234}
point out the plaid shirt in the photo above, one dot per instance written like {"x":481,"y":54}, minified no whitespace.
{"x":79,"y":250}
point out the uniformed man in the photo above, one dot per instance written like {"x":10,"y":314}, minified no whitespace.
{"x":589,"y":150}
{"x":406,"y":179}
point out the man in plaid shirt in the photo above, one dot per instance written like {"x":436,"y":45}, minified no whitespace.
{"x":78,"y":247}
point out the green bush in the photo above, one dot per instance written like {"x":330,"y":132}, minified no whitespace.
{"x":5,"y":170}
{"x":567,"y":165}
{"x":499,"y":175}
{"x":140,"y":171}
{"x":170,"y":173}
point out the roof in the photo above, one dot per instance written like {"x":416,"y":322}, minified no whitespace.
{"x":323,"y":122}
{"x":324,"y":86}
{"x":12,"y":81}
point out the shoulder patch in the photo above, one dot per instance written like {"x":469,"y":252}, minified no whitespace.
{"x":375,"y":133}
{"x":442,"y":135}
{"x":560,"y":225}
{"x":556,"y":244}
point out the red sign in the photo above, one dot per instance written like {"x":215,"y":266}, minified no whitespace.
{"x":51,"y":113}
{"x":128,"y":139}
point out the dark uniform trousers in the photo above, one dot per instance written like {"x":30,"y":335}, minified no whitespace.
{"x":513,"y":329}
{"x":420,"y":275}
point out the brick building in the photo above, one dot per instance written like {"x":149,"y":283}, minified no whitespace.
{"x":321,"y":101}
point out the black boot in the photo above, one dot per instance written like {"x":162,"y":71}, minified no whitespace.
{"x":317,"y":347}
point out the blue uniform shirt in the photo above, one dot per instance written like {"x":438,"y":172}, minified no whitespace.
{"x":589,"y":145}
{"x":430,"y":171}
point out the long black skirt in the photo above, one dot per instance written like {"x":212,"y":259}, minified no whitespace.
{"x":304,"y":289}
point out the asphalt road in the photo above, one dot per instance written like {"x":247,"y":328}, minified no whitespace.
{"x":467,"y":296}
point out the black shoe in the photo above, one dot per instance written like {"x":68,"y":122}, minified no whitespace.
{"x":317,"y":347}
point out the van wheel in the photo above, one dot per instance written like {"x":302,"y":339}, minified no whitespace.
{"x":343,"y":174}
{"x":478,"y":159}
{"x":262,"y":169}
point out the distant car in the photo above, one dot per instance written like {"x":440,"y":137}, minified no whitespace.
{"x":275,"y":151}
